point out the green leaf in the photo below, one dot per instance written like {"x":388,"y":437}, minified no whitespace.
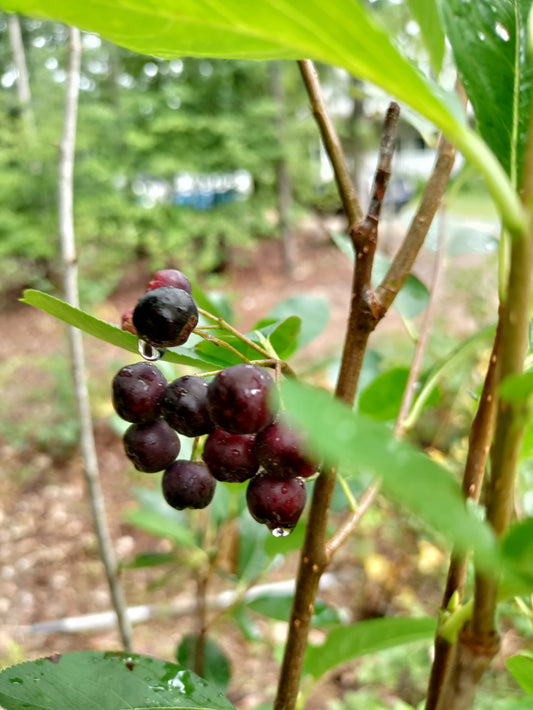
{"x":313,"y":312}
{"x":489,"y":43}
{"x":158,"y":518}
{"x":151,"y":559}
{"x":217,"y":668}
{"x":111,"y":334}
{"x":276,"y":604}
{"x":517,"y":552}
{"x":348,"y":642}
{"x":343,"y":33}
{"x":521,"y":668}
{"x":382,"y":398}
{"x":426,"y":14}
{"x":517,"y":388}
{"x":357,"y":444}
{"x":107,"y":681}
{"x":284,"y":336}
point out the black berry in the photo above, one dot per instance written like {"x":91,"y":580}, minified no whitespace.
{"x":187,"y":484}
{"x":138,"y":391}
{"x":185,"y":406}
{"x":280,"y":451}
{"x":239,"y":399}
{"x":169,"y":277}
{"x":230,"y":457}
{"x":278,"y":503}
{"x":151,"y":447}
{"x":165,"y":317}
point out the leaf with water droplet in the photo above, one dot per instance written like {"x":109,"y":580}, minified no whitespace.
{"x":149,"y":352}
{"x":82,"y":679}
{"x":489,"y":42}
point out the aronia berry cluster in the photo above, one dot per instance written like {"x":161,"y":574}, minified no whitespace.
{"x":244,"y":436}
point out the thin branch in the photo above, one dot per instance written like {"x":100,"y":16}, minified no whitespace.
{"x":479,"y":440}
{"x":404,"y":259}
{"x":68,"y":249}
{"x":479,"y":641}
{"x":346,"y":188}
{"x":314,"y":554}
{"x":421,"y":345}
{"x":23,"y":82}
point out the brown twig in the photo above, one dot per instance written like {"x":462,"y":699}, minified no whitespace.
{"x":346,"y":188}
{"x":314,"y":554}
{"x":480,"y":437}
{"x":479,"y":641}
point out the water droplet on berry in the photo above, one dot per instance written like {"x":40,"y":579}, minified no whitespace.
{"x":148,"y":352}
{"x":281,"y":532}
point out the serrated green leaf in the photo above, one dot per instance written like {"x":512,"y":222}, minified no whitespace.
{"x":426,"y":14}
{"x":343,"y":33}
{"x":521,"y":668}
{"x":348,"y":642}
{"x":107,"y":681}
{"x":355,"y":443}
{"x":489,"y":42}
{"x":107,"y":332}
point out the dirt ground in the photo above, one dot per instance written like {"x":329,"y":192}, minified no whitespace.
{"x":49,"y":565}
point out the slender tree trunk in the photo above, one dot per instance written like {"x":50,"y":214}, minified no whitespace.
{"x":68,"y":251}
{"x":284,"y":187}
{"x":23,"y":82}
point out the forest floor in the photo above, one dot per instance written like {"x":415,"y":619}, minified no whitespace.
{"x":49,"y":564}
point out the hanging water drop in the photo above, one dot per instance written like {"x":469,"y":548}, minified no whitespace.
{"x":281,"y":532}
{"x":148,"y":352}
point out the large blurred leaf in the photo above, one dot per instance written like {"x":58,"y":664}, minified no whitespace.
{"x":107,"y":681}
{"x":356,"y":443}
{"x":426,"y":14}
{"x":521,"y":668}
{"x":382,"y":398}
{"x":105,"y":331}
{"x":342,"y":33}
{"x":489,"y":43}
{"x":348,"y":642}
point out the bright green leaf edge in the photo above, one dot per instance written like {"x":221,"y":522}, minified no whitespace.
{"x":370,"y":636}
{"x":342,"y":34}
{"x":107,"y":332}
{"x":521,"y":668}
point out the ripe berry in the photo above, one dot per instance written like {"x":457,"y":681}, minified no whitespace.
{"x":151,"y":447}
{"x":126,"y":322}
{"x":138,"y":391}
{"x":165,"y":316}
{"x":187,"y":484}
{"x":239,"y":399}
{"x":278,"y":503}
{"x":230,"y":457}
{"x":185,"y":406}
{"x":280,"y":451}
{"x":169,"y":277}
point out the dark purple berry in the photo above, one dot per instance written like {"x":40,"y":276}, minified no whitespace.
{"x":151,"y":447}
{"x":187,"y":484}
{"x":230,"y":457}
{"x":169,"y":277}
{"x":165,"y":316}
{"x":280,"y":451}
{"x":239,"y":399}
{"x":276,"y":502}
{"x":138,"y":391}
{"x":185,"y":406}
